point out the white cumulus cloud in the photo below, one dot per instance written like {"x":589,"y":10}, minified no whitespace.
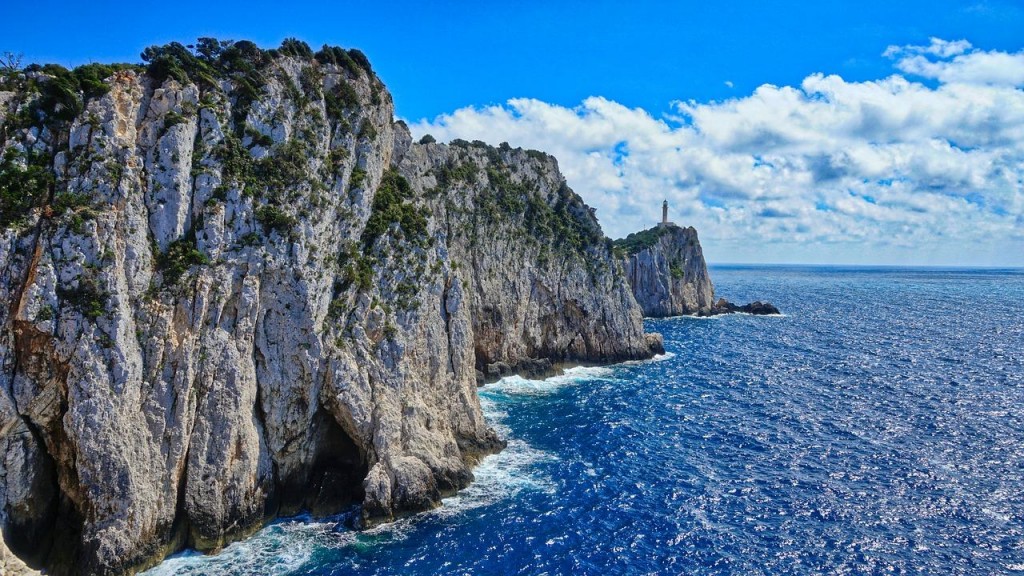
{"x":959,"y":62}
{"x":885,"y":171}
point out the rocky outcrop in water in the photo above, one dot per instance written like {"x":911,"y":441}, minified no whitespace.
{"x":666,"y":270}
{"x":757,"y":308}
{"x":236,"y":289}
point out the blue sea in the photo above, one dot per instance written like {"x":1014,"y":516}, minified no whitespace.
{"x":877,"y":427}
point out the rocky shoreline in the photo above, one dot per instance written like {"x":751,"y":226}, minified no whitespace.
{"x":238,"y":290}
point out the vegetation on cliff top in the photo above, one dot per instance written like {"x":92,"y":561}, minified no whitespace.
{"x":209,"y":59}
{"x":52,"y":97}
{"x":59,"y":95}
{"x":639,"y":241}
{"x":560,"y":221}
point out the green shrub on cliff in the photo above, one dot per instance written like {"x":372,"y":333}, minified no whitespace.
{"x":72,"y":202}
{"x":59,"y":98}
{"x":285,"y":167}
{"x":295,"y":48}
{"x":276,"y":219}
{"x":180,"y":255}
{"x":676,"y":269}
{"x":357,"y":179}
{"x":366,"y":130}
{"x":352,"y":60}
{"x":568,"y":223}
{"x":454,"y":171}
{"x":21,"y":187}
{"x":87,"y":297}
{"x":390,"y":206}
{"x":340,"y":99}
{"x":208,"y":60}
{"x":236,"y":163}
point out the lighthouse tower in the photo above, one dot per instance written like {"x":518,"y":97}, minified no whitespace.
{"x":664,"y":213}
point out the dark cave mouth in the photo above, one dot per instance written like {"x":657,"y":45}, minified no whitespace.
{"x":334,"y":482}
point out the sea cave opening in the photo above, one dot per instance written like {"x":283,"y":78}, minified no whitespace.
{"x":335,"y":478}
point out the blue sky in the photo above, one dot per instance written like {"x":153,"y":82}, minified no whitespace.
{"x":668,"y":94}
{"x":436,"y":57}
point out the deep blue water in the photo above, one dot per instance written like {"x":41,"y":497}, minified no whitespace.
{"x":876,"y":428}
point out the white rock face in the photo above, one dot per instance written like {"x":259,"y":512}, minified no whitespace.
{"x":670,"y":277}
{"x":227,"y":310}
{"x":541,"y":280}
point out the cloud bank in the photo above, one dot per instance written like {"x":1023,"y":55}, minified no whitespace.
{"x":923,"y":167}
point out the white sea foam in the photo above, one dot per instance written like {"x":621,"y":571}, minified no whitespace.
{"x":718,"y":317}
{"x":280,"y":548}
{"x":286,"y":546}
{"x":656,"y":358}
{"x":501,"y":477}
{"x":517,"y":385}
{"x":687,"y":317}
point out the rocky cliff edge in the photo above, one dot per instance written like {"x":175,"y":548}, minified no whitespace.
{"x":235,"y":289}
{"x":666,"y":271}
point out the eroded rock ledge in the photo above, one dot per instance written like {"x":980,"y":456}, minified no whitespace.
{"x":236,"y":289}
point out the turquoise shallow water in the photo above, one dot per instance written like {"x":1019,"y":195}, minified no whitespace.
{"x":876,"y":428}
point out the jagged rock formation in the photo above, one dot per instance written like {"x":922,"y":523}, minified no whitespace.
{"x":666,"y":271}
{"x":756,"y":308}
{"x":235,"y":289}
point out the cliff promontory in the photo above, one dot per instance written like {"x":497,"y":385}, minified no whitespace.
{"x":668,"y":276}
{"x":235,"y":289}
{"x":666,"y":270}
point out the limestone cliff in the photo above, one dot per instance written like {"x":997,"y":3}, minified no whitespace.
{"x":666,"y":271}
{"x":542,"y":282}
{"x":235,"y":289}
